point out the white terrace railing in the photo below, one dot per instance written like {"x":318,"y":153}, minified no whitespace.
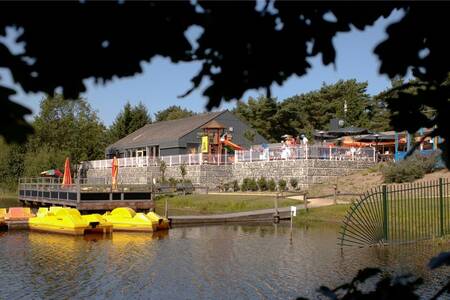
{"x":252,"y":155}
{"x":306,"y":152}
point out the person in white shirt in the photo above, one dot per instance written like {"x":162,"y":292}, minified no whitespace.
{"x":304,"y":140}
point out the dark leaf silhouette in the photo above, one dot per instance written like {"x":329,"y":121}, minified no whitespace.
{"x":242,"y":47}
{"x":442,"y":259}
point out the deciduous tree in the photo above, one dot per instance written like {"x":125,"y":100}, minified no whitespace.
{"x":130,"y":119}
{"x":172,"y":113}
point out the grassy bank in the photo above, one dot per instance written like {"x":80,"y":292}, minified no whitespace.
{"x":326,"y":214}
{"x":8,"y":200}
{"x":214,"y":204}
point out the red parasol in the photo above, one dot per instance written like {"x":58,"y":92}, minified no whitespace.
{"x":115,"y":172}
{"x":67,"y":179}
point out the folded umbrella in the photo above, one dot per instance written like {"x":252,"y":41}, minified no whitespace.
{"x":52,"y":173}
{"x":67,"y":180}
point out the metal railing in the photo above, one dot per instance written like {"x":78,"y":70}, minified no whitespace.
{"x":52,"y":189}
{"x":252,"y":155}
{"x":142,"y":161}
{"x":306,"y":152}
{"x":398,"y":214}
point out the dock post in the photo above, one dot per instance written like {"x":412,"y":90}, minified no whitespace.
{"x":277,"y":213}
{"x":166,"y":208}
{"x":291,"y":226}
{"x":305,"y":199}
{"x":335,"y":193}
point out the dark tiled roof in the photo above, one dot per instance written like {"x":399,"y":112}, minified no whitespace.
{"x":348,"y":130}
{"x":166,"y":132}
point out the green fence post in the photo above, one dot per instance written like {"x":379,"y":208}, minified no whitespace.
{"x":441,"y":206}
{"x":385,"y":213}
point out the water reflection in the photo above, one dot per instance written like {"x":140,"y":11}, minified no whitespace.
{"x":201,"y":262}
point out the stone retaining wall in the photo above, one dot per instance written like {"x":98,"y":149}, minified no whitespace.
{"x":305,"y":171}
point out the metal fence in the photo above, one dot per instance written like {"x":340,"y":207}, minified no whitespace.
{"x":398,"y":214}
{"x":305,"y":152}
{"x":255,"y":154}
{"x":90,"y":189}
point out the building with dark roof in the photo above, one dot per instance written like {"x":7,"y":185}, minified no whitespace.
{"x":181,"y":136}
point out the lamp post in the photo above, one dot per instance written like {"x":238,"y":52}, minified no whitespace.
{"x":321,"y":136}
{"x":376,"y":136}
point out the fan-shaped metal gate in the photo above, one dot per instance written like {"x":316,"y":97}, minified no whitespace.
{"x":398,"y":214}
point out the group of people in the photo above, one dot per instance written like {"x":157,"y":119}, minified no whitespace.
{"x":289,"y":142}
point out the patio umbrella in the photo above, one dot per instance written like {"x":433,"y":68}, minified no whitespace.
{"x":67,"y":180}
{"x":115,"y":172}
{"x":52,"y":173}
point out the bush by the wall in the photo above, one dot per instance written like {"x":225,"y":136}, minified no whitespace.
{"x":173,"y":182}
{"x":245,"y":184}
{"x":226,"y":187}
{"x":262,"y":184}
{"x":282,"y":184}
{"x":252,"y":186}
{"x":294,"y":183}
{"x":235,"y":186}
{"x":410,"y":169}
{"x":271,"y":185}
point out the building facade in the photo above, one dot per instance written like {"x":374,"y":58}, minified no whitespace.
{"x":182,"y":136}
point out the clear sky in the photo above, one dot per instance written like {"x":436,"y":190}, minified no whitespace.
{"x":162,"y":81}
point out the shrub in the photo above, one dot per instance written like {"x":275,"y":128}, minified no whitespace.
{"x":262,"y":184}
{"x":245,"y":184}
{"x":173,"y":182}
{"x":271,"y":185}
{"x":294,"y":183}
{"x":183,"y":170}
{"x":162,"y":169}
{"x":410,"y":169}
{"x":282,"y":184}
{"x":235,"y":186}
{"x":252,"y":186}
{"x":226,"y":187}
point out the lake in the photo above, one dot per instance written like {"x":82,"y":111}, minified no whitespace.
{"x":211,"y":262}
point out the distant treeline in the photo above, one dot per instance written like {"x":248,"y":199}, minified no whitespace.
{"x":71,"y":128}
{"x":303,"y":113}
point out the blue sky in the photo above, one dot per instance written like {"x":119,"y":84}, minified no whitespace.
{"x":162,"y":82}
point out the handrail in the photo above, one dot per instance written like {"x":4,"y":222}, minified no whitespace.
{"x":297,"y":152}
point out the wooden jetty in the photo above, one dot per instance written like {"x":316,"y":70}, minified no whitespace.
{"x":85,"y":195}
{"x":261,"y":215}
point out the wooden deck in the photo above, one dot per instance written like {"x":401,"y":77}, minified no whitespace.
{"x":84,"y":196}
{"x":261,"y":215}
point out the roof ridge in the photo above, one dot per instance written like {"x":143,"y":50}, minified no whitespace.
{"x":198,"y":119}
{"x":209,"y":120}
{"x":193,"y":116}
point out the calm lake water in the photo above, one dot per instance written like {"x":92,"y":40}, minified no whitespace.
{"x":214,"y":262}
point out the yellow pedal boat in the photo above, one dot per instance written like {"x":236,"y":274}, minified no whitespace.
{"x":2,"y":214}
{"x":2,"y":218}
{"x":68,"y":221}
{"x":162,"y":222}
{"x":126,"y":219}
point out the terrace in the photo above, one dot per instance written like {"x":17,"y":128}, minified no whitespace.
{"x":253,"y":155}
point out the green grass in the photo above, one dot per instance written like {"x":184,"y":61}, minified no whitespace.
{"x":214,"y":204}
{"x":418,"y":218}
{"x":8,"y":200}
{"x":326,"y":214}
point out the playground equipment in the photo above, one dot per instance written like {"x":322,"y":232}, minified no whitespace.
{"x":231,"y":145}
{"x":216,"y":142}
